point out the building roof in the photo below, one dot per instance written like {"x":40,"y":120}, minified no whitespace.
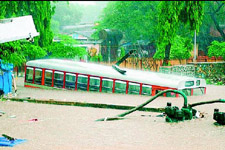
{"x":18,"y":28}
{"x":84,"y":30}
{"x":84,"y":33}
{"x":79,"y":27}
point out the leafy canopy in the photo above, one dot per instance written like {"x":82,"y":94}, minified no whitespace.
{"x":66,"y":48}
{"x":213,"y":20}
{"x":172,"y":15}
{"x":217,"y":49}
{"x":137,"y":20}
{"x":17,"y":52}
{"x":180,"y":49}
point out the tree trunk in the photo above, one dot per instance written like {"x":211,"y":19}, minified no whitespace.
{"x":217,"y":26}
{"x":167,"y":55}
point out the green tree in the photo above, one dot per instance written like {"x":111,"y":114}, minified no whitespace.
{"x":180,"y":49}
{"x":217,"y":49}
{"x":136,"y":19}
{"x":171,"y":15}
{"x":18,"y":52}
{"x":41,"y":12}
{"x":66,"y":48}
{"x":95,"y":58}
{"x":217,"y":11}
{"x":214,"y":18}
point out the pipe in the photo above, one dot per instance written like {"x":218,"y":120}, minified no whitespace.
{"x":207,"y":102}
{"x":116,"y":66}
{"x":147,"y":102}
{"x":125,"y":57}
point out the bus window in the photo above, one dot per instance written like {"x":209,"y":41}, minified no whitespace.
{"x":198,"y":91}
{"x":187,"y":92}
{"x":29,"y":75}
{"x":58,"y":79}
{"x":134,"y":88}
{"x":146,"y":90}
{"x":48,"y":77}
{"x":38,"y":76}
{"x":120,"y":87}
{"x":70,"y":81}
{"x":107,"y":85}
{"x":168,"y":94}
{"x":82,"y":82}
{"x":94,"y":84}
{"x":189,"y":83}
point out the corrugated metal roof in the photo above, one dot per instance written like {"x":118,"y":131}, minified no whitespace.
{"x":18,"y":28}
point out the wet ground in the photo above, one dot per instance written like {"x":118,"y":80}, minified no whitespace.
{"x":75,"y":128}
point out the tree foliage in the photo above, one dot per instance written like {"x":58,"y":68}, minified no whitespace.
{"x":17,"y":52}
{"x":180,"y":49}
{"x":217,"y":11}
{"x":172,"y":15}
{"x":217,"y":49}
{"x":157,"y":22}
{"x":41,"y":12}
{"x":214,"y":18}
{"x":66,"y":48}
{"x":95,"y":58}
{"x":137,"y":20}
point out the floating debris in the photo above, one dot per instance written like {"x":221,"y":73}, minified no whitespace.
{"x":9,"y":141}
{"x":13,"y":116}
{"x":33,"y":120}
{"x":2,"y":112}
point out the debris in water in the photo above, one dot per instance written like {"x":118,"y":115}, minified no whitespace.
{"x":2,"y":112}
{"x":161,"y":115}
{"x":8,"y":137}
{"x":10,"y":141}
{"x":146,"y":115}
{"x":13,"y":116}
{"x":33,"y":120}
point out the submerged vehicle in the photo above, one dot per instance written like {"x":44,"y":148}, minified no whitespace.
{"x":73,"y":75}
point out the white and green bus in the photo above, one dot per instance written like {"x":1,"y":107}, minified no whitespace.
{"x":73,"y":75}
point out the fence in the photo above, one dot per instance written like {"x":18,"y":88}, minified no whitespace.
{"x":213,"y":72}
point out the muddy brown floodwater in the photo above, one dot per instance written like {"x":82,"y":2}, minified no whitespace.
{"x":74,"y":128}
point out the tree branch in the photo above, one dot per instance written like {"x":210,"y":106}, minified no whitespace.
{"x":212,"y":8}
{"x":217,"y":25}
{"x":218,"y":9}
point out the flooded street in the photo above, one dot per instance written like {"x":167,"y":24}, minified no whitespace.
{"x":75,"y":128}
{"x":55,"y":54}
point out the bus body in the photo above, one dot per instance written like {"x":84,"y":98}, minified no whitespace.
{"x":68,"y":74}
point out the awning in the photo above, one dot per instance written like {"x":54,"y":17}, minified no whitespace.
{"x":18,"y":28}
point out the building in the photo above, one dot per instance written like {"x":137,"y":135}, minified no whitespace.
{"x":18,"y":28}
{"x":82,"y":33}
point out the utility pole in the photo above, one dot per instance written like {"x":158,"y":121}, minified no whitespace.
{"x":195,"y":49}
{"x":109,"y":49}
